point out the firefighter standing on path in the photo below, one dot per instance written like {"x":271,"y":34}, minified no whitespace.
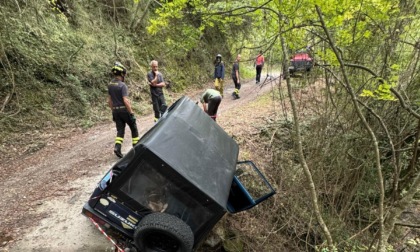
{"x":235,"y":77}
{"x":211,"y":100}
{"x":155,"y":79}
{"x":120,"y":105}
{"x":219,"y":73}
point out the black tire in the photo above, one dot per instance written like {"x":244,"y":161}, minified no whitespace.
{"x":291,"y":73}
{"x":162,"y":232}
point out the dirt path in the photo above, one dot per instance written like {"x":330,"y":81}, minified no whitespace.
{"x":43,"y":193}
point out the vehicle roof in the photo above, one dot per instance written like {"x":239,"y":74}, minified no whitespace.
{"x":301,"y":56}
{"x":196,"y":147}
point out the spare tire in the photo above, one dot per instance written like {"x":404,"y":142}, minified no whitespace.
{"x":162,"y":232}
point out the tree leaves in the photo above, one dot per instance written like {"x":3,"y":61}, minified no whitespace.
{"x":383,"y":92}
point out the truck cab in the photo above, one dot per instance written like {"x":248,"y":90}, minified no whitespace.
{"x":300,"y":62}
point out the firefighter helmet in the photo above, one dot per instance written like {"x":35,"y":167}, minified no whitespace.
{"x":119,"y":69}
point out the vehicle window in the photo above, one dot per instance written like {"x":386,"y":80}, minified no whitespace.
{"x":251,"y":180}
{"x":153,"y":190}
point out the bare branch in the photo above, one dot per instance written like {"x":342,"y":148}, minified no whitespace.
{"x":133,"y":20}
{"x":391,"y":144}
{"x":381,"y":246}
{"x":407,"y":225}
{"x":403,"y":104}
{"x":249,"y":9}
{"x":302,"y":160}
{"x":363,"y":230}
{"x":146,"y":9}
{"x":115,"y":30}
{"x":20,"y":11}
{"x":395,"y":92}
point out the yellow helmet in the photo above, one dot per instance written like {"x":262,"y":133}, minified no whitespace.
{"x":119,"y":69}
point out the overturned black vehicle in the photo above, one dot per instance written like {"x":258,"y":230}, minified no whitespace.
{"x":170,"y":190}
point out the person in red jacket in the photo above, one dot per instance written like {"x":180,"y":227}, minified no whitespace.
{"x":259,"y":64}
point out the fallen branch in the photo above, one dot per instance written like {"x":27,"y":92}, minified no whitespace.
{"x":407,"y":225}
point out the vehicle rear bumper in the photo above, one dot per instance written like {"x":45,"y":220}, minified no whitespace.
{"x":102,"y":221}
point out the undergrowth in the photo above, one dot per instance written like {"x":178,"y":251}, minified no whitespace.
{"x":55,"y":65}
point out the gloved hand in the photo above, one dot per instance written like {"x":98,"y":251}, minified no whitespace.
{"x":133,"y":118}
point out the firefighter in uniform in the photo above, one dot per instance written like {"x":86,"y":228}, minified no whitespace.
{"x":235,"y":77}
{"x":211,"y":100}
{"x":122,"y":113}
{"x":219,"y":73}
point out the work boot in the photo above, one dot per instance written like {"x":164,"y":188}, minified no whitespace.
{"x":117,"y":150}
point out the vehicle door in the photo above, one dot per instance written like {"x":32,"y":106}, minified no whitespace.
{"x":249,"y":188}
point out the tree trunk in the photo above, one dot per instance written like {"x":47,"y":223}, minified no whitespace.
{"x":302,"y":160}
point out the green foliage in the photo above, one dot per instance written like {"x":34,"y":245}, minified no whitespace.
{"x":55,"y":66}
{"x":56,"y":61}
{"x":382,"y":93}
{"x":57,"y":71}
